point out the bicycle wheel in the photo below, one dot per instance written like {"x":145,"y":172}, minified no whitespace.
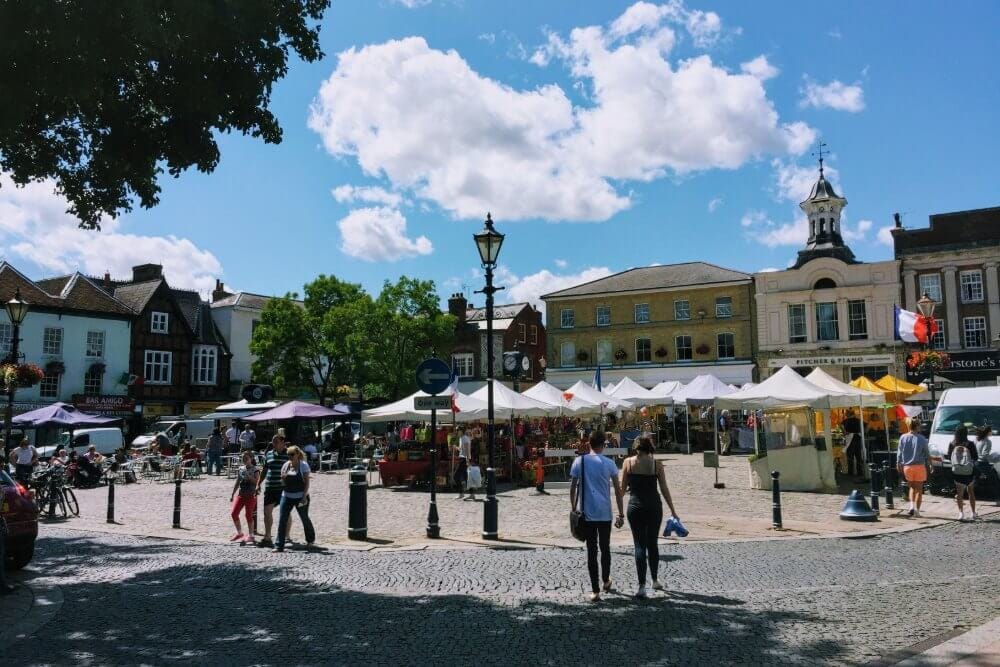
{"x":71,"y":504}
{"x":41,"y":499}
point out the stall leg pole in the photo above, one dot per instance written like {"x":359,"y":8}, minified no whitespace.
{"x":715,"y":438}
{"x":687,"y":425}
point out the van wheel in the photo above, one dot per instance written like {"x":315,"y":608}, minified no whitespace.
{"x":20,"y":554}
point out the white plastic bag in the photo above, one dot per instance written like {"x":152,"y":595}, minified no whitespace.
{"x":475,"y":479}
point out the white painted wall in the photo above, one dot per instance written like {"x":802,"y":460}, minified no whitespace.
{"x":236,"y":325}
{"x":117,"y":337}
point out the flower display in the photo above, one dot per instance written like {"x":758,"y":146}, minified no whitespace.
{"x":928,"y":359}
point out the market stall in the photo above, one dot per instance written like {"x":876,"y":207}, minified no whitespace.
{"x":701,"y":391}
{"x":552,"y":395}
{"x":862,"y":399}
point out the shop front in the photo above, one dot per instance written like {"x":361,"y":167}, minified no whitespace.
{"x":843,"y":367}
{"x":977,"y":368}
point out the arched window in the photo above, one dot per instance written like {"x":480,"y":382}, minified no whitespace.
{"x":812,"y":228}
{"x":822,"y":225}
{"x":825,"y":283}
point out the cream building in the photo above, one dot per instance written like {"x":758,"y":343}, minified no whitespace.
{"x":829,"y":310}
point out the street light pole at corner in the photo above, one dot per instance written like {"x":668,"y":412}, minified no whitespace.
{"x":488,"y":242}
{"x":926,"y":306}
{"x":17,"y":310}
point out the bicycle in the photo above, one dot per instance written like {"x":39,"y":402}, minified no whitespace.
{"x":51,"y":487}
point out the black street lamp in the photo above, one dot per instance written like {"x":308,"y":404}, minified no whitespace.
{"x":488,"y":242}
{"x":17,"y":310}
{"x":926,"y":306}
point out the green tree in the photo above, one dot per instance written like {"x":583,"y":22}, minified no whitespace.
{"x":102,"y":97}
{"x":410,"y":327}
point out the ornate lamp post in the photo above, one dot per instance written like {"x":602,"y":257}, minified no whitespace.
{"x":488,"y":242}
{"x":17,"y":310}
{"x":926,"y":306}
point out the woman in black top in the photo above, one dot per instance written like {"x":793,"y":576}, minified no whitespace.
{"x":641,"y":475}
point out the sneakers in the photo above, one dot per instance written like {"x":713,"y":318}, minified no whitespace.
{"x":910,"y":512}
{"x":595,"y":597}
{"x":657,"y":586}
{"x":641,"y":593}
{"x":607,"y":586}
{"x":265,"y":543}
{"x":961,"y":516}
{"x":674,"y":525}
{"x":975,"y":516}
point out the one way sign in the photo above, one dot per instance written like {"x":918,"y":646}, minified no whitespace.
{"x":433,"y":376}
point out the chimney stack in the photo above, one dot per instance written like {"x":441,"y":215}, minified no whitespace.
{"x":898,"y":220}
{"x":219,"y":293}
{"x":107,"y":280}
{"x":146,"y":272}
{"x":457,"y":306}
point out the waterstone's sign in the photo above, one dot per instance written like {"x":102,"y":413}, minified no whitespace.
{"x":983,"y":365}
{"x":834,"y":360}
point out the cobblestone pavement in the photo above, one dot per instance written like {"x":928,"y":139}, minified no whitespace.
{"x":398,"y":516}
{"x":130,"y":600}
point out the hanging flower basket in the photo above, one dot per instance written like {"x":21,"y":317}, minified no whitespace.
{"x":931,"y":360}
{"x":621,"y":354}
{"x":702,"y":349}
{"x":582,"y":356}
{"x":21,"y":375}
{"x":55,"y":367}
{"x":661,"y":352}
{"x":98,"y":368}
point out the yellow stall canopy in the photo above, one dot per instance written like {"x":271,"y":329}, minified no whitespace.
{"x":896,"y":390}
{"x":866,"y":384}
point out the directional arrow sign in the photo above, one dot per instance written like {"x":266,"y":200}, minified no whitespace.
{"x":432,"y":402}
{"x":433,"y":376}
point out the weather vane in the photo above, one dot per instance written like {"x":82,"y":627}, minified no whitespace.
{"x":819,"y":154}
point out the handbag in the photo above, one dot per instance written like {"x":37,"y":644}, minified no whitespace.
{"x":577,"y":521}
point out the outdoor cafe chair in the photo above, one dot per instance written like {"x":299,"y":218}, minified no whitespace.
{"x":327,"y":461}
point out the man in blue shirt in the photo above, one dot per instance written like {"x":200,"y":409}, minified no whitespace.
{"x":596,"y":473}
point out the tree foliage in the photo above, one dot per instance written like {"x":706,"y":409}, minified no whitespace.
{"x":339,"y":335}
{"x":102,"y":97}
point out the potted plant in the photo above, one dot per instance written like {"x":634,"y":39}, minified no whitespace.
{"x":23,"y":375}
{"x":621,"y":354}
{"x":661,"y":352}
{"x":702,"y":349}
{"x":582,"y":355}
{"x":55,"y":367}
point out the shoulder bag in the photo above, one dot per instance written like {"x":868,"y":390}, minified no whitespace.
{"x":577,"y":520}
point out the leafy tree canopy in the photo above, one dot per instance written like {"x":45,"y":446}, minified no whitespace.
{"x":102,"y":97}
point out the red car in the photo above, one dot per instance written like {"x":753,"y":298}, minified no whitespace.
{"x":17,"y":505}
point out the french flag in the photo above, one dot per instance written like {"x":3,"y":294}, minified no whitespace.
{"x":912,"y":327}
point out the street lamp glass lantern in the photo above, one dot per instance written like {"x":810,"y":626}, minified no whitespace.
{"x":17,"y":309}
{"x":926,"y":306}
{"x":488,"y":243}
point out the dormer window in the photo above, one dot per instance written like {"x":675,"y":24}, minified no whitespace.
{"x":159,"y":322}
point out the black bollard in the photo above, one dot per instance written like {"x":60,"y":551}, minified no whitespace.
{"x":52,"y":498}
{"x":775,"y":500}
{"x":357,"y":511}
{"x":177,"y":503}
{"x":111,"y":498}
{"x":887,"y":482}
{"x":873,"y":470}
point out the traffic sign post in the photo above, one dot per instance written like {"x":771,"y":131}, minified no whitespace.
{"x":433,"y":377}
{"x":432,"y":402}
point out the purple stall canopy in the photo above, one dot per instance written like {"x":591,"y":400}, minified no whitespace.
{"x":61,"y":414}
{"x":297,"y":410}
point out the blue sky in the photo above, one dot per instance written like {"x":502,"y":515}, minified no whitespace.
{"x":601,"y":135}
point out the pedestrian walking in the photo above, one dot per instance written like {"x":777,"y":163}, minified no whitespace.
{"x":247,"y":438}
{"x":913,"y":461}
{"x":246,"y":486}
{"x":295,"y":495}
{"x":597,"y":474}
{"x":725,"y":432}
{"x":644,"y":479}
{"x":274,"y":461}
{"x":25,"y":458}
{"x":985,"y":467}
{"x":462,"y":477}
{"x":963,"y":456}
{"x":232,"y":438}
{"x":540,"y":473}
{"x":852,"y":436}
{"x":213,"y":451}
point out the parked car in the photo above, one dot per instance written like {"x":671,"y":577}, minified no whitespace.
{"x":17,"y":506}
{"x":971,"y":407}
{"x":195,"y":428}
{"x":330,"y":428}
{"x":106,"y":440}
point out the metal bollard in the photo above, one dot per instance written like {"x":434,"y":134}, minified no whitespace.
{"x":887,"y":482}
{"x":775,"y":500}
{"x":357,"y":511}
{"x":873,"y":470}
{"x":177,"y":503}
{"x":111,"y":498}
{"x":52,"y":499}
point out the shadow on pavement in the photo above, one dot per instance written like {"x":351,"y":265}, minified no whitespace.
{"x":130,"y":611}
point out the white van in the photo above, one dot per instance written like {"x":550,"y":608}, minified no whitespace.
{"x":106,"y":440}
{"x":194,"y":428}
{"x":971,"y":407}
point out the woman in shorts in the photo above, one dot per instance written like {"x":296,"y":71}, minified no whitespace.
{"x":962,"y":455}
{"x":913,"y":461}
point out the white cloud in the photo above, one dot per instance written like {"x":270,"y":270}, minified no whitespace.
{"x":431,"y":125}
{"x":714,"y":204}
{"x":379,"y":233}
{"x":834,"y":95}
{"x":561,"y":263}
{"x":529,"y":288}
{"x":884,"y":236}
{"x":793,"y":182}
{"x":705,"y":27}
{"x":759,"y":68}
{"x":488,"y":37}
{"x":769,"y":269}
{"x":368,"y":194}
{"x":413,"y":4}
{"x":835,"y":33}
{"x":751,"y":218}
{"x":35,"y":227}
{"x":858,"y":232}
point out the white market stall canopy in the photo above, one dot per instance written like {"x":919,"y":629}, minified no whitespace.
{"x":855,"y":397}
{"x":701,"y":390}
{"x":667,"y":388}
{"x":511,"y":402}
{"x":591,"y":395}
{"x":784,"y":389}
{"x":547,"y":393}
{"x":470,"y":409}
{"x":631,"y":391}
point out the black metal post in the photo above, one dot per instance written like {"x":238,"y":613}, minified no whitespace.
{"x":433,"y":529}
{"x":775,"y":500}
{"x":490,"y":528}
{"x":53,"y":485}
{"x":357,"y":508}
{"x":9,"y":416}
{"x":177,"y":503}
{"x":887,"y":483}
{"x":873,"y":470}
{"x":111,"y":494}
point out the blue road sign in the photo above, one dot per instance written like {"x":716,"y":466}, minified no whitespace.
{"x":433,"y":376}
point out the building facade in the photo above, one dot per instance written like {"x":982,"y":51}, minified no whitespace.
{"x":78,"y":334}
{"x":652,"y":324}
{"x":955,"y":261}
{"x":237,"y":315}
{"x":828,"y":310}
{"x":517,"y":327}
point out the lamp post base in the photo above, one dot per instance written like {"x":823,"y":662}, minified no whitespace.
{"x":490,"y":507}
{"x":433,"y":529}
